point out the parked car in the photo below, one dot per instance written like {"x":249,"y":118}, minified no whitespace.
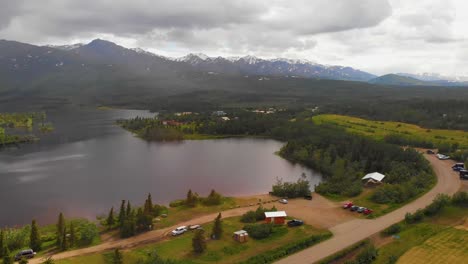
{"x":367,"y":211}
{"x":443,"y":157}
{"x":308,"y":197}
{"x":354,"y":208}
{"x":430,"y":151}
{"x":28,"y":253}
{"x":295,"y":222}
{"x":458,"y":167}
{"x":179,"y":231}
{"x":464,"y":174}
{"x":347,"y":205}
{"x":194,"y":227}
{"x":283,"y":201}
{"x":361,"y":209}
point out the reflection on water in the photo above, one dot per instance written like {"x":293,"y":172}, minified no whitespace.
{"x":91,"y":164}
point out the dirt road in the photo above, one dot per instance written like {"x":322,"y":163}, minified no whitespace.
{"x":346,"y":234}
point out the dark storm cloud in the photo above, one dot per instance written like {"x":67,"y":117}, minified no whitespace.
{"x":52,"y":18}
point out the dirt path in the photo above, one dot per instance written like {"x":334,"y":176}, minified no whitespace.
{"x":346,"y":234}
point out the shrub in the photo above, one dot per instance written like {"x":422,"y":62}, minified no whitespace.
{"x":259,"y":231}
{"x":414,"y":218}
{"x":88,"y":231}
{"x":249,"y":217}
{"x":177,"y":203}
{"x":438,"y":204}
{"x":460,"y":199}
{"x":391,"y":230}
{"x":291,"y":189}
{"x":291,"y":248}
{"x":213,"y":198}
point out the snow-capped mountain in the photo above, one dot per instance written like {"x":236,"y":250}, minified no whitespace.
{"x":251,"y":65}
{"x":66,"y":47}
{"x":435,"y":77}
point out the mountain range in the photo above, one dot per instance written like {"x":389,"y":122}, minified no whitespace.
{"x":101,"y":64}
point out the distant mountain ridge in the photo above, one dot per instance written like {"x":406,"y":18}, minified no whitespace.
{"x":247,"y":65}
{"x":409,"y":80}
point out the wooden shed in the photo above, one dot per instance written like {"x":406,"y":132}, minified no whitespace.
{"x":278,"y":217}
{"x":241,"y":236}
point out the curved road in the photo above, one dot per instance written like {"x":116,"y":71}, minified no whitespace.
{"x":346,"y":234}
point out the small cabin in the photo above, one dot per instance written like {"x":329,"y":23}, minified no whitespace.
{"x":241,"y":236}
{"x":373,"y":179}
{"x":278,"y":217}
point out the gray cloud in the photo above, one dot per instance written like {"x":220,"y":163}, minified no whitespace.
{"x":360,"y":33}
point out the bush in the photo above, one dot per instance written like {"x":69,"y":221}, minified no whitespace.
{"x":291,"y":248}
{"x":88,"y":231}
{"x":460,"y":199}
{"x":438,"y":204}
{"x":259,"y":231}
{"x":414,"y":218}
{"x":249,"y":217}
{"x":337,"y":256}
{"x":391,"y":230}
{"x":177,"y":203}
{"x":291,"y":189}
{"x":213,"y":198}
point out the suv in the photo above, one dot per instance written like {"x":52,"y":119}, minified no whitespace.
{"x":28,"y":253}
{"x":295,"y":222}
{"x":464,"y":174}
{"x":179,"y":231}
{"x":354,"y":208}
{"x":458,"y":167}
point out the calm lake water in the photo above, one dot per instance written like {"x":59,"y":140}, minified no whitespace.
{"x":88,"y":164}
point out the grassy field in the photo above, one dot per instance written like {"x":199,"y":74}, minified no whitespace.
{"x":436,"y":234}
{"x":225,"y":250}
{"x":449,"y":246}
{"x":380,"y":129}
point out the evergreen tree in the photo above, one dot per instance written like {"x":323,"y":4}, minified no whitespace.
{"x":72,"y":234}
{"x":143,"y":221}
{"x":148,"y":205}
{"x":2,"y":242}
{"x":34,"y":237}
{"x":122,"y":214}
{"x":60,"y":230}
{"x":110,"y":218}
{"x":7,"y":259}
{"x":128,"y":228}
{"x":117,"y":258}
{"x":217,"y":228}
{"x":199,"y":242}
{"x":191,"y":199}
{"x":129,"y":208}
{"x":64,"y":240}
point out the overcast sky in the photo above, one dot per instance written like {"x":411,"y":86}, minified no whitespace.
{"x":379,"y":36}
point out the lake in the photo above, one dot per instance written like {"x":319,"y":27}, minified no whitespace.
{"x":89,"y":164}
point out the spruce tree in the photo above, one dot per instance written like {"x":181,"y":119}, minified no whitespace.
{"x":72,"y":234}
{"x":148,"y":209}
{"x":199,"y":242}
{"x":217,"y":227}
{"x":34,"y":237}
{"x":129,"y":208}
{"x":110,"y":218}
{"x":60,"y":230}
{"x":64,"y":240}
{"x":117,"y":258}
{"x":122,"y":214}
{"x":191,"y":199}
